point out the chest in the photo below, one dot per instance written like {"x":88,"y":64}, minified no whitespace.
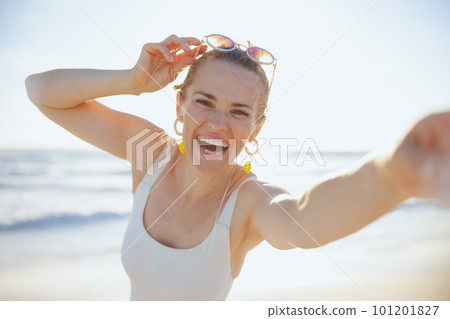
{"x":176,"y":222}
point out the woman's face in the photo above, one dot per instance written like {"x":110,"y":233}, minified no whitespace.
{"x":219,"y":112}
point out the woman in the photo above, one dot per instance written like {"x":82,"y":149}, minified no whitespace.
{"x":196,"y":213}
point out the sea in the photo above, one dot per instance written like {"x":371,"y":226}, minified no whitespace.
{"x":57,"y":204}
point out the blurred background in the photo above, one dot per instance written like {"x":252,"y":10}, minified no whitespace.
{"x":351,"y":75}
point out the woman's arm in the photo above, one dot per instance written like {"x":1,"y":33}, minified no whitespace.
{"x":66,"y":88}
{"x":157,"y":66}
{"x":67,"y":97}
{"x":341,"y":205}
{"x":331,"y":209}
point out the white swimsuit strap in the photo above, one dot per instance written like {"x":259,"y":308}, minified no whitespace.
{"x":224,"y":194}
{"x":225,"y":217}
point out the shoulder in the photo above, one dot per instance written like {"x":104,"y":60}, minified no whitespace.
{"x":260,"y":197}
{"x":270,"y":208}
{"x":260,"y":193}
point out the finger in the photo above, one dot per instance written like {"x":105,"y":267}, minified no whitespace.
{"x":192,"y":40}
{"x":183,"y":63}
{"x":201,"y":49}
{"x":197,"y":50}
{"x":174,"y":42}
{"x":192,"y":51}
{"x":158,"y":49}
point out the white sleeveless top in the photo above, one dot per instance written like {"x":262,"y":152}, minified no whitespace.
{"x":160,"y":272}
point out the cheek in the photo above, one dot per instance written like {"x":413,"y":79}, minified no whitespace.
{"x":241,"y":132}
{"x":195,"y":112}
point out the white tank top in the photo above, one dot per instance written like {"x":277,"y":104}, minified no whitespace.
{"x":160,"y":272}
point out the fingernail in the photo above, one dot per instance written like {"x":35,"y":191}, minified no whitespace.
{"x":171,"y":59}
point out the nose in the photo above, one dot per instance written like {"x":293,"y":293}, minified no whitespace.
{"x":217,"y":121}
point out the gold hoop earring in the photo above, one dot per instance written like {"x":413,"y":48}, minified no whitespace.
{"x":256,"y":148}
{"x":180,"y":145}
{"x":248,"y":164}
{"x":175,"y":126}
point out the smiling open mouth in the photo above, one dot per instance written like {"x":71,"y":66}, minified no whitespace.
{"x":213,"y":147}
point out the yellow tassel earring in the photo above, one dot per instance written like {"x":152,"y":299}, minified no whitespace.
{"x":180,"y":145}
{"x":248,"y":164}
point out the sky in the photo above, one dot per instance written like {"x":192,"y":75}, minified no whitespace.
{"x":351,"y":75}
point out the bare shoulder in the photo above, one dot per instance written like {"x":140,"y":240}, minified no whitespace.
{"x":260,"y":193}
{"x":256,"y":196}
{"x":269,"y":209}
{"x":145,"y":151}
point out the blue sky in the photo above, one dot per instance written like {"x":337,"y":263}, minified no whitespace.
{"x":388,"y":70}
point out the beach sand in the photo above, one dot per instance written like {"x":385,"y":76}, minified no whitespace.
{"x":421,"y":286}
{"x":412,"y":271}
{"x":405,"y":255}
{"x":67,"y":280}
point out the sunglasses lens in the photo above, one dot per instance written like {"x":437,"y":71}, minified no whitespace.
{"x":221,"y":42}
{"x":260,"y":55}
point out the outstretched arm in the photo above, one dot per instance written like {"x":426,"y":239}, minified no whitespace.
{"x":341,"y":205}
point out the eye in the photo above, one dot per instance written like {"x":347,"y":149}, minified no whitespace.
{"x":204,"y":102}
{"x":240,"y":113}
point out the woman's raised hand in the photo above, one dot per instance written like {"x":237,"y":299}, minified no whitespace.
{"x":420,"y":163}
{"x":159,"y":64}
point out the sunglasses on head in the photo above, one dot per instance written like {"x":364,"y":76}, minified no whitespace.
{"x":256,"y":54}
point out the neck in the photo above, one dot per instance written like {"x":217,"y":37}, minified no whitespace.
{"x":202,"y":185}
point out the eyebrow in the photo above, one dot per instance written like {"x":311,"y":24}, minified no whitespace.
{"x":212,"y":97}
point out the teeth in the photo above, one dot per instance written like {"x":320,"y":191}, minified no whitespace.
{"x":212,"y":141}
{"x":211,"y":152}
